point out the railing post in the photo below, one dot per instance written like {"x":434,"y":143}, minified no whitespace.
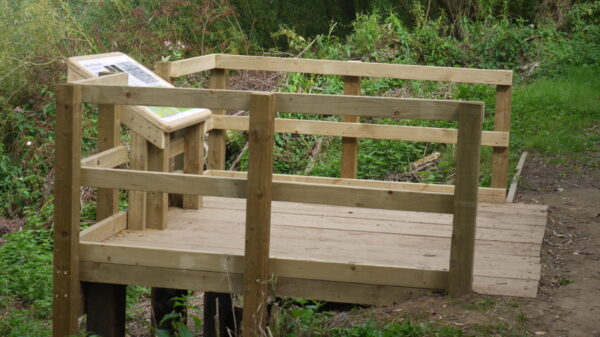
{"x":258,"y":214}
{"x":67,"y":288}
{"x":105,"y":303}
{"x":138,"y":157}
{"x":350,"y":145}
{"x":216,"y":138}
{"x":462,"y":247}
{"x":157,"y":203}
{"x":193,"y":160}
{"x":501,"y":123}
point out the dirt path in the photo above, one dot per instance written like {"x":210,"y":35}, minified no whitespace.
{"x":569,"y":297}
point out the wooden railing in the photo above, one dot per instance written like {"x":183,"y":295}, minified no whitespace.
{"x":352,"y":73}
{"x":259,"y":188}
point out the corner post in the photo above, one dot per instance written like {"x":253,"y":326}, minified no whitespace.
{"x":350,"y":145}
{"x":67,"y":288}
{"x":501,"y":123}
{"x":216,"y":138}
{"x":462,"y":247}
{"x":258,"y":214}
{"x":105,"y":303}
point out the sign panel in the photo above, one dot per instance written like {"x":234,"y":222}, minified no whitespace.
{"x":138,"y":76}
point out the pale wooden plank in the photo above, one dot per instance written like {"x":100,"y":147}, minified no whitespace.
{"x":193,"y":160}
{"x":106,"y":228}
{"x":216,"y":138}
{"x":485,"y":193}
{"x":282,"y":191}
{"x":512,"y":191}
{"x":176,"y":147}
{"x":134,"y":120}
{"x":219,"y":236}
{"x":231,"y":283}
{"x":350,"y":145}
{"x":410,"y":108}
{"x":109,"y":133}
{"x":373,"y":131}
{"x":280,"y":267}
{"x":157,"y":203}
{"x":503,"y":217}
{"x":391,"y":107}
{"x":258,"y":214}
{"x":67,"y":292}
{"x":465,"y":203}
{"x":136,"y":209}
{"x":110,"y":158}
{"x":502,"y":118}
{"x":192,"y":65}
{"x":364,"y":69}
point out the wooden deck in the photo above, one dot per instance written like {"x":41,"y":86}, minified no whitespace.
{"x":316,"y":248}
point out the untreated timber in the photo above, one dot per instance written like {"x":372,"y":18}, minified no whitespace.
{"x":486,"y":194}
{"x":112,"y":157}
{"x":409,"y":108}
{"x":67,"y":291}
{"x":282,"y":191}
{"x":364,"y":69}
{"x":363,"y":130}
{"x":258,"y":215}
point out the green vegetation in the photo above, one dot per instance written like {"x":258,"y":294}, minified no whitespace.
{"x":554,"y":51}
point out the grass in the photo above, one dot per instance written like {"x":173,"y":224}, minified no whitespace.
{"x":554,"y":116}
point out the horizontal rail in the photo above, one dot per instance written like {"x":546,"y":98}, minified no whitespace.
{"x":362,"y":69}
{"x":112,"y":79}
{"x":192,"y":65}
{"x":411,"y":108}
{"x":106,"y":228}
{"x":282,"y":191}
{"x":108,"y":159}
{"x":361,"y":130}
{"x":302,"y":269}
{"x":486,"y":194}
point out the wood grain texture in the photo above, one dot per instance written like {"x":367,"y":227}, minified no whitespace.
{"x":136,"y":209}
{"x":512,"y":191}
{"x":364,"y":69}
{"x":110,"y":158}
{"x":109,"y":132}
{"x":193,"y":160}
{"x":486,"y":194}
{"x":290,"y":191}
{"x":258,"y":215}
{"x":502,"y":119}
{"x":157,"y":203}
{"x":216,"y":138}
{"x":464,"y":222}
{"x":363,"y":130}
{"x":67,"y":291}
{"x":350,"y":144}
{"x":105,"y":228}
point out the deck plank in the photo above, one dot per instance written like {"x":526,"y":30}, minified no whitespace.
{"x":507,"y":243}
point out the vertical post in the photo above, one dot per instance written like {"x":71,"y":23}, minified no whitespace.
{"x":501,"y":123}
{"x":105,"y":303}
{"x":462,"y":247}
{"x":193,"y":160}
{"x":138,"y":156}
{"x":67,"y":289}
{"x":350,"y":145}
{"x":107,"y":199}
{"x":258,"y":214}
{"x":157,"y":203}
{"x":216,"y":138}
